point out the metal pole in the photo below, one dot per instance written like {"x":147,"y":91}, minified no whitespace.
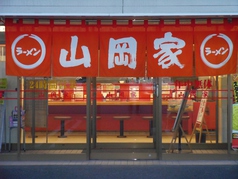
{"x":94,"y":119}
{"x":88,"y":112}
{"x":5,"y":123}
{"x":154,"y":112}
{"x":158,"y":118}
{"x":47,"y":107}
{"x":18,"y":118}
{"x":229,"y":113}
{"x":217,"y":108}
{"x":33,"y":114}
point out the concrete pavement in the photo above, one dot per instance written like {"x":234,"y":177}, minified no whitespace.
{"x":100,"y":169}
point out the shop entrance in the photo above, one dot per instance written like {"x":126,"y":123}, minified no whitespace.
{"x":106,"y":119}
{"x":123,"y":119}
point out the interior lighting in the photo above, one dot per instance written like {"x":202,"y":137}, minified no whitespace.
{"x":2,"y":28}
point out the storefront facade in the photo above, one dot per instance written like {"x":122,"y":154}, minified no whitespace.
{"x":134,"y":84}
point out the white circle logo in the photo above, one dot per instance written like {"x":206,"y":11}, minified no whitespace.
{"x":38,"y":62}
{"x":204,"y":59}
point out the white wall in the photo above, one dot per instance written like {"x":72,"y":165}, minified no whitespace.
{"x":108,"y":8}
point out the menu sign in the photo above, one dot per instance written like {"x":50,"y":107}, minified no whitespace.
{"x":134,"y":92}
{"x":202,"y":107}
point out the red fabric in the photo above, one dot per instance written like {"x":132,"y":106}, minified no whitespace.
{"x":28,"y":49}
{"x":214,"y":56}
{"x":85,"y":58}
{"x":125,"y":43}
{"x":174,"y":54}
{"x":125,"y":51}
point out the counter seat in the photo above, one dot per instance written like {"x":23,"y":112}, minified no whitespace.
{"x":150,"y":119}
{"x":121,"y":119}
{"x":62,"y":128}
{"x":135,"y":109}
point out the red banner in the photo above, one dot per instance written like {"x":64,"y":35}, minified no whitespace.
{"x":75,"y":51}
{"x":28,"y":51}
{"x":122,"y":51}
{"x":215,"y":50}
{"x":170,"y":51}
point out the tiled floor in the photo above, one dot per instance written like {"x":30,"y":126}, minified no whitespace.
{"x":110,"y":152}
{"x":118,"y":150}
{"x":119,"y":154}
{"x":102,"y":137}
{"x":54,"y":151}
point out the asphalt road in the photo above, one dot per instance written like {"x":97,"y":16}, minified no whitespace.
{"x":118,"y":171}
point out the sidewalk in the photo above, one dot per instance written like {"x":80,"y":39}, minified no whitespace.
{"x":121,"y":162}
{"x":120,"y":169}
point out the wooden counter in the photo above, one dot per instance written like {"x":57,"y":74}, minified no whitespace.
{"x":103,"y":103}
{"x":106,"y":110}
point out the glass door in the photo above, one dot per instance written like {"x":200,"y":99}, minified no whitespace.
{"x":124,"y":120}
{"x":55,"y":113}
